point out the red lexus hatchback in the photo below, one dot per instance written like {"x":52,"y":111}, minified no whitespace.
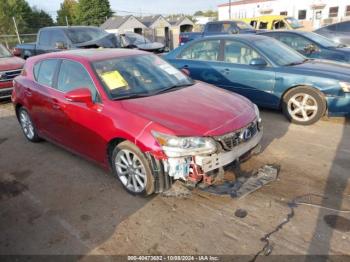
{"x":135,"y":114}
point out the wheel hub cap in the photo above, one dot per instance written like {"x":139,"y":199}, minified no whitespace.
{"x":302,"y":107}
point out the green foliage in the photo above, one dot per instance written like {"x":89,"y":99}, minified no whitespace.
{"x":28,"y":19}
{"x":68,"y":9}
{"x":208,"y":13}
{"x":93,"y":12}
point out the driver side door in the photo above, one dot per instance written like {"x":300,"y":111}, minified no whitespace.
{"x":254,"y":82}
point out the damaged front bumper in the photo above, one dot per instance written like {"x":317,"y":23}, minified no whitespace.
{"x":231,"y":148}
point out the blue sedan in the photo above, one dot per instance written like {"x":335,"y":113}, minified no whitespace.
{"x":312,"y":45}
{"x":270,"y":74}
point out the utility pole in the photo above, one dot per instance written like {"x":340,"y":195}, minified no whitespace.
{"x":14,"y":21}
{"x":229,"y":9}
{"x":67,"y":21}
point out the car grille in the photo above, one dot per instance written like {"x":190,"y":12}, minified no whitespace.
{"x":6,"y":76}
{"x":229,"y":141}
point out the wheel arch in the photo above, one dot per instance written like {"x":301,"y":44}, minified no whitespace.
{"x":17,"y":107}
{"x":110,"y":147}
{"x":287,"y":91}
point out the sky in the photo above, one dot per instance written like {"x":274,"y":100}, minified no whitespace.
{"x":146,"y":7}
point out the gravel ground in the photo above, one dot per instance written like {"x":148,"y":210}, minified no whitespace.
{"x":53,"y":202}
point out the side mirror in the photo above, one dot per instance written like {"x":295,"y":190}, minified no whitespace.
{"x":80,"y":95}
{"x":258,"y":62}
{"x":60,"y":45}
{"x":185,"y":71}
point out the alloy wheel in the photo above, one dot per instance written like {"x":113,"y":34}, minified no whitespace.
{"x":26,"y":124}
{"x":302,"y":107}
{"x":131,"y":171}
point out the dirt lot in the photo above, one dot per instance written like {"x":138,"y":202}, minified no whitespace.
{"x":53,"y":202}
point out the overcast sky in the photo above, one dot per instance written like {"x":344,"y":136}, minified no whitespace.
{"x":147,"y":7}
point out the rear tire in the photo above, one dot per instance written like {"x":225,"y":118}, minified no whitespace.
{"x":303,"y":105}
{"x":27,"y":125}
{"x":132,"y":169}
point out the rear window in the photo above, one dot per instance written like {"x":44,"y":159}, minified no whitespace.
{"x":213,"y":28}
{"x":44,"y":72}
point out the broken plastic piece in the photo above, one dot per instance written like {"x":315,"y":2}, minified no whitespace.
{"x":244,"y":186}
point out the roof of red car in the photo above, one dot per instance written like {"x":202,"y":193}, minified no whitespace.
{"x":92,"y":54}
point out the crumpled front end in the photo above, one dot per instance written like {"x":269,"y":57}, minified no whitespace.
{"x":230,"y":147}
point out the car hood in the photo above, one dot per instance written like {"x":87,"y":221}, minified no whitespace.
{"x":198,"y":110}
{"x":324,"y":68}
{"x":150,"y":46}
{"x":11,"y":63}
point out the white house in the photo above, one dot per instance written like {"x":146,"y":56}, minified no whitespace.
{"x":312,"y":13}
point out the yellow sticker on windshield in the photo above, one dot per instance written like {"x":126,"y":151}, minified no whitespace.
{"x":114,"y":80}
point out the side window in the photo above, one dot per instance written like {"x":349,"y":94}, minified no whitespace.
{"x":36,"y":70}
{"x":44,"y":38}
{"x":46,"y":72}
{"x":73,"y":75}
{"x":263,"y":25}
{"x":214,"y":28}
{"x":205,"y":50}
{"x":279,"y":24}
{"x":294,"y":41}
{"x":57,"y":36}
{"x":239,"y":53}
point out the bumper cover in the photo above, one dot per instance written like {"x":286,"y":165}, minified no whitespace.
{"x":338,"y":105}
{"x":209,"y":163}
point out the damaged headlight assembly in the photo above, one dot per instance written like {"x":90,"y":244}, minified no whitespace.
{"x":174,"y":146}
{"x":258,"y":118}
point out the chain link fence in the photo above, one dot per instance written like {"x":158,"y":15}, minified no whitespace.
{"x":10,"y":41}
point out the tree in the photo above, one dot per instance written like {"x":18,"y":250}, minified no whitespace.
{"x":198,"y":13}
{"x":93,"y":12}
{"x":38,"y":19}
{"x":19,"y":9}
{"x":68,"y":9}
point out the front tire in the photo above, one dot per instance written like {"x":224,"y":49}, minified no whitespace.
{"x":27,"y":126}
{"x":132,"y":169}
{"x":303,"y":105}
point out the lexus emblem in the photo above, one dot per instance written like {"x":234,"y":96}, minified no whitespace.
{"x":246,"y":135}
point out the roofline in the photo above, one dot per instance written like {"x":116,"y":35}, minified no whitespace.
{"x":242,"y":2}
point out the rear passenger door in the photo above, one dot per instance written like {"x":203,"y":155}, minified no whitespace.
{"x":203,"y":60}
{"x":255,"y":83}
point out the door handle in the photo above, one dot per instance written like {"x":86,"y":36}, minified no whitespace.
{"x":56,"y":104}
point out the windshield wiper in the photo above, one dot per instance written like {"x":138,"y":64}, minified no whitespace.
{"x":173,"y":88}
{"x":341,"y":46}
{"x":298,"y":63}
{"x":131,"y":96}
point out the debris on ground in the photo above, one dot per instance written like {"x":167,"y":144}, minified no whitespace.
{"x":243,"y":186}
{"x":177,"y":190}
{"x":241,"y":213}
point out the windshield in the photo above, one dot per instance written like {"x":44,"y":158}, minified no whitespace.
{"x":321,"y":40}
{"x":278,"y":52}
{"x":136,"y":39}
{"x":4,"y":52}
{"x":139,"y":75}
{"x":244,"y":26}
{"x":294,"y":23}
{"x":82,"y":35}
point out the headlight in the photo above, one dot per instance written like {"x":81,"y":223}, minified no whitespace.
{"x":345,"y":86}
{"x":174,"y":146}
{"x":258,"y":118}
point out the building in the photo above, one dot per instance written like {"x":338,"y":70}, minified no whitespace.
{"x":122,"y":24}
{"x":179,"y":25}
{"x":312,"y":13}
{"x":158,"y":28}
